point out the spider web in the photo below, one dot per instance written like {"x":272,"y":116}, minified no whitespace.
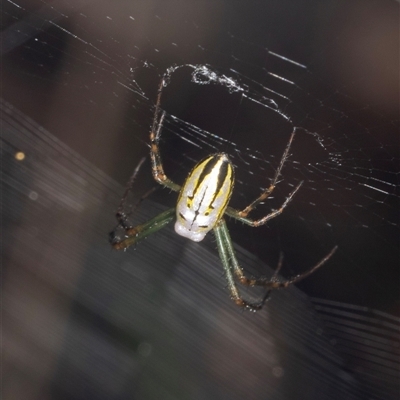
{"x":240,"y":79}
{"x":233,"y":89}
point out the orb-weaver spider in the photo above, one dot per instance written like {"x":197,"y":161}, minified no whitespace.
{"x":202,"y":203}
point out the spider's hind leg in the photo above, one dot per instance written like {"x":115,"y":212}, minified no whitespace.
{"x":233,"y":269}
{"x":226,"y":258}
{"x":274,"y":282}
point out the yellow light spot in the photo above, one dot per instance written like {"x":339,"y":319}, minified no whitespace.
{"x":19,"y":156}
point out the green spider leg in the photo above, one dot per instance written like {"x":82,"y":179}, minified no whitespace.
{"x":133,"y":234}
{"x":139,"y":232}
{"x":234,"y":270}
{"x":224,"y":246}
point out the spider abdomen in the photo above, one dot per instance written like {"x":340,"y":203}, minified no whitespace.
{"x":204,"y":197}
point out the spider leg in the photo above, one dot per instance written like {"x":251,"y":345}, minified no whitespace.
{"x":222,"y":231}
{"x":255,"y":223}
{"x":284,"y":284}
{"x":143,"y":197}
{"x":274,"y":282}
{"x":121,"y":215}
{"x":273,"y":278}
{"x":155,"y":133}
{"x":224,"y":245}
{"x":139,"y":232}
{"x":265,"y":194}
{"x":134,"y":234}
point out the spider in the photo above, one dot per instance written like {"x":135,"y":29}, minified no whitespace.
{"x":201,"y":207}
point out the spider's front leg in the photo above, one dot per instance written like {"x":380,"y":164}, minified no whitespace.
{"x":267,"y":192}
{"x":255,"y":223}
{"x":133,"y":234}
{"x":156,"y":162}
